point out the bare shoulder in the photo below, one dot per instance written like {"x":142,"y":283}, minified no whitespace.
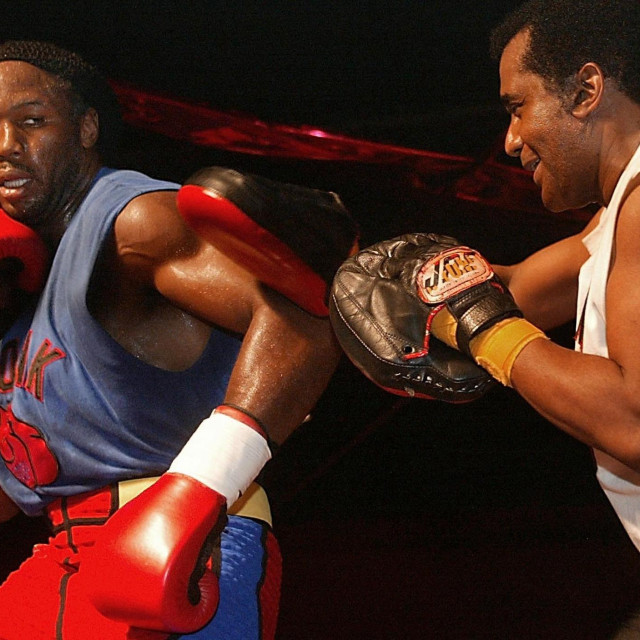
{"x":629,"y":216}
{"x":150,"y":228}
{"x":154,"y":249}
{"x":627,"y":242}
{"x":623,"y":292}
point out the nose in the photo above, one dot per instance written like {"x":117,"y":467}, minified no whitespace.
{"x":513,"y":142}
{"x":10,"y":142}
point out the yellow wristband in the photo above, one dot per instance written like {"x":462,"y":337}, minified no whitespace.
{"x":443,"y":327}
{"x":497,"y":348}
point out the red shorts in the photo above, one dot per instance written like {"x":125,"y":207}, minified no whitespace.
{"x":42,"y":599}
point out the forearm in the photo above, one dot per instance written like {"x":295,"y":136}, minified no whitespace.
{"x":592,"y":398}
{"x":588,"y":397}
{"x":547,"y":299}
{"x":285,"y":363}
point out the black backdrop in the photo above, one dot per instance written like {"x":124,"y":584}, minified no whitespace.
{"x":450,"y":495}
{"x":377,"y":66}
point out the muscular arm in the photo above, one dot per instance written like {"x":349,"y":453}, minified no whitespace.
{"x":287,"y":356}
{"x":596,"y":399}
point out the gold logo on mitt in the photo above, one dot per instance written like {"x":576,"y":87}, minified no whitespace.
{"x":451,"y":272}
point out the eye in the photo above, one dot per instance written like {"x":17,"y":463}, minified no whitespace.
{"x":514,"y":109}
{"x":33,"y":121}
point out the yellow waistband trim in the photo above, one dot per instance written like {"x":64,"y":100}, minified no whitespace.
{"x":254,"y":503}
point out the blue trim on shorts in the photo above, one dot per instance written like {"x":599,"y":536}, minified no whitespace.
{"x":241,"y":575}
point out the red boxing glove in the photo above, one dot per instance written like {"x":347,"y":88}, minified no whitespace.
{"x":291,"y":238}
{"x":21,"y":243}
{"x":147,"y":567}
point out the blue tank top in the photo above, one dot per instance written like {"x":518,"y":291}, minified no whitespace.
{"x":77,"y":411}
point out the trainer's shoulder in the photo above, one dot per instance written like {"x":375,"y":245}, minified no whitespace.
{"x":628,"y":215}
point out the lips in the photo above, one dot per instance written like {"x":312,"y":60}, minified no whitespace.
{"x":12,"y":185}
{"x":15,"y":184}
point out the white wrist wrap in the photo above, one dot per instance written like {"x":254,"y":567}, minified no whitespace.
{"x":224,"y":454}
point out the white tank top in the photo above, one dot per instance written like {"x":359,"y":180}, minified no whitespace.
{"x":620,"y":483}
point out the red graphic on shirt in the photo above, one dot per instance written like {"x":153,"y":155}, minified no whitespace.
{"x":19,"y":370}
{"x":25,"y":451}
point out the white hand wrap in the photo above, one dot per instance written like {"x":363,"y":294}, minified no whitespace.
{"x":224,"y":454}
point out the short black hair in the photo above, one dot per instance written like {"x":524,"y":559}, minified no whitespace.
{"x":88,"y":87}
{"x":565,"y":34}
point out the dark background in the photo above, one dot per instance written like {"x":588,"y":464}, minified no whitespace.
{"x":374,"y":66}
{"x":398,"y":518}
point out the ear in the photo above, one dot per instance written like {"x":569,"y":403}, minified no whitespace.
{"x":589,"y":90}
{"x":89,"y":128}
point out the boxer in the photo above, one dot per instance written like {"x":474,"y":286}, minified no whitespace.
{"x":153,"y":358}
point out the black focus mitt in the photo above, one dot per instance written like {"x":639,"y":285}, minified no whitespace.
{"x":383,"y":325}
